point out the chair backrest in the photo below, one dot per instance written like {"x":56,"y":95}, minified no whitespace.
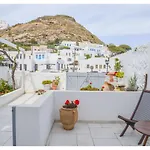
{"x":142,"y":109}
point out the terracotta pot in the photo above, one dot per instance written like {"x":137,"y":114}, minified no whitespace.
{"x":54,"y":87}
{"x":111,"y":78}
{"x":68,"y":117}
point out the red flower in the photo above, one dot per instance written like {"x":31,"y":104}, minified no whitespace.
{"x":76,"y":102}
{"x":115,"y":73}
{"x":67,"y":102}
{"x":90,"y":82}
{"x":102,"y":87}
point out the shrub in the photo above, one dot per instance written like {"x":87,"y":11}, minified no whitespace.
{"x":132,"y":85}
{"x":89,"y":88}
{"x":5,"y":87}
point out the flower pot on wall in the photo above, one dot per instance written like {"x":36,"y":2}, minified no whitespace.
{"x":54,"y":86}
{"x":46,"y":87}
{"x":68,"y":117}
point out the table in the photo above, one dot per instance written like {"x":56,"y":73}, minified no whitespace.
{"x":144,"y":128}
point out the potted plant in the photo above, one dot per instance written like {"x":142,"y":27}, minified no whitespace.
{"x":69,"y":114}
{"x":107,"y":87}
{"x":132,"y":85}
{"x":89,"y":88}
{"x":55,"y":83}
{"x":40,"y":91}
{"x":111,"y":76}
{"x":46,"y":84}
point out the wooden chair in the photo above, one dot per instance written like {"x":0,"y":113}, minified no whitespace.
{"x":141,"y":111}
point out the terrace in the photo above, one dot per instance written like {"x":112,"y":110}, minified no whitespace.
{"x":98,"y":124}
{"x":35,"y":118}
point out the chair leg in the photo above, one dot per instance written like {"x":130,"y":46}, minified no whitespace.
{"x":145,"y":141}
{"x":124,"y":130}
{"x":141,"y":140}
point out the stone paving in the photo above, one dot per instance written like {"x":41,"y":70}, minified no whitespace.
{"x":5,"y":126}
{"x":84,"y":134}
{"x":93,"y":134}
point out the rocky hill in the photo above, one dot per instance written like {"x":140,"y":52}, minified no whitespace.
{"x":47,"y":29}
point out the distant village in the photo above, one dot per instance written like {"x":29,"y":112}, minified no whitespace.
{"x":67,"y":56}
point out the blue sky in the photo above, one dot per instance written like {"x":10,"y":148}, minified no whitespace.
{"x":112,"y":23}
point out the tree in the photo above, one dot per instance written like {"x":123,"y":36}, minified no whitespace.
{"x":1,"y":58}
{"x":126,"y":47}
{"x":87,"y":56}
{"x":13,"y":61}
{"x":33,"y":41}
{"x":117,"y":66}
{"x":116,"y":49}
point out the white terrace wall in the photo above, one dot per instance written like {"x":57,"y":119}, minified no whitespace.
{"x":99,"y":106}
{"x":33,"y":80}
{"x":7,"y":98}
{"x":34,"y":121}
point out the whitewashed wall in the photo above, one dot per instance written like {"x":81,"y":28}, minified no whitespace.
{"x":4,"y":73}
{"x":99,"y":106}
{"x":33,"y":81}
{"x":7,"y":98}
{"x":34,"y":122}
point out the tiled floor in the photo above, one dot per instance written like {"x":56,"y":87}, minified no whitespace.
{"x":93,"y":134}
{"x":5,"y":126}
{"x":84,"y":134}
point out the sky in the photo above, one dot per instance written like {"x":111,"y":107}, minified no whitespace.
{"x":112,"y":23}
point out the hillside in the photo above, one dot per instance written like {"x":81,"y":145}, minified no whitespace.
{"x":47,"y":29}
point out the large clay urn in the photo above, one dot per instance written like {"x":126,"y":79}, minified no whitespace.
{"x":68,"y":117}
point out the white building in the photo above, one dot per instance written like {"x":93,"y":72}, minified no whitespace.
{"x":98,"y":64}
{"x":41,"y":58}
{"x":68,"y":43}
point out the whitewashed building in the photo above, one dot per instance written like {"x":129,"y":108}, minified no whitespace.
{"x":68,"y":43}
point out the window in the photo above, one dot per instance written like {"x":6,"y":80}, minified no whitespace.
{"x":29,"y":57}
{"x":25,"y":67}
{"x":69,"y":59}
{"x":39,"y":56}
{"x":36,"y":56}
{"x":12,"y":57}
{"x":100,"y":66}
{"x":20,"y":66}
{"x":66,"y":54}
{"x":88,"y":66}
{"x":96,"y":66}
{"x":69,"y":54}
{"x":17,"y":56}
{"x":104,"y":66}
{"x":20,"y":56}
{"x":24,"y":56}
{"x":42,"y":56}
{"x":36,"y":67}
{"x":61,"y":66}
